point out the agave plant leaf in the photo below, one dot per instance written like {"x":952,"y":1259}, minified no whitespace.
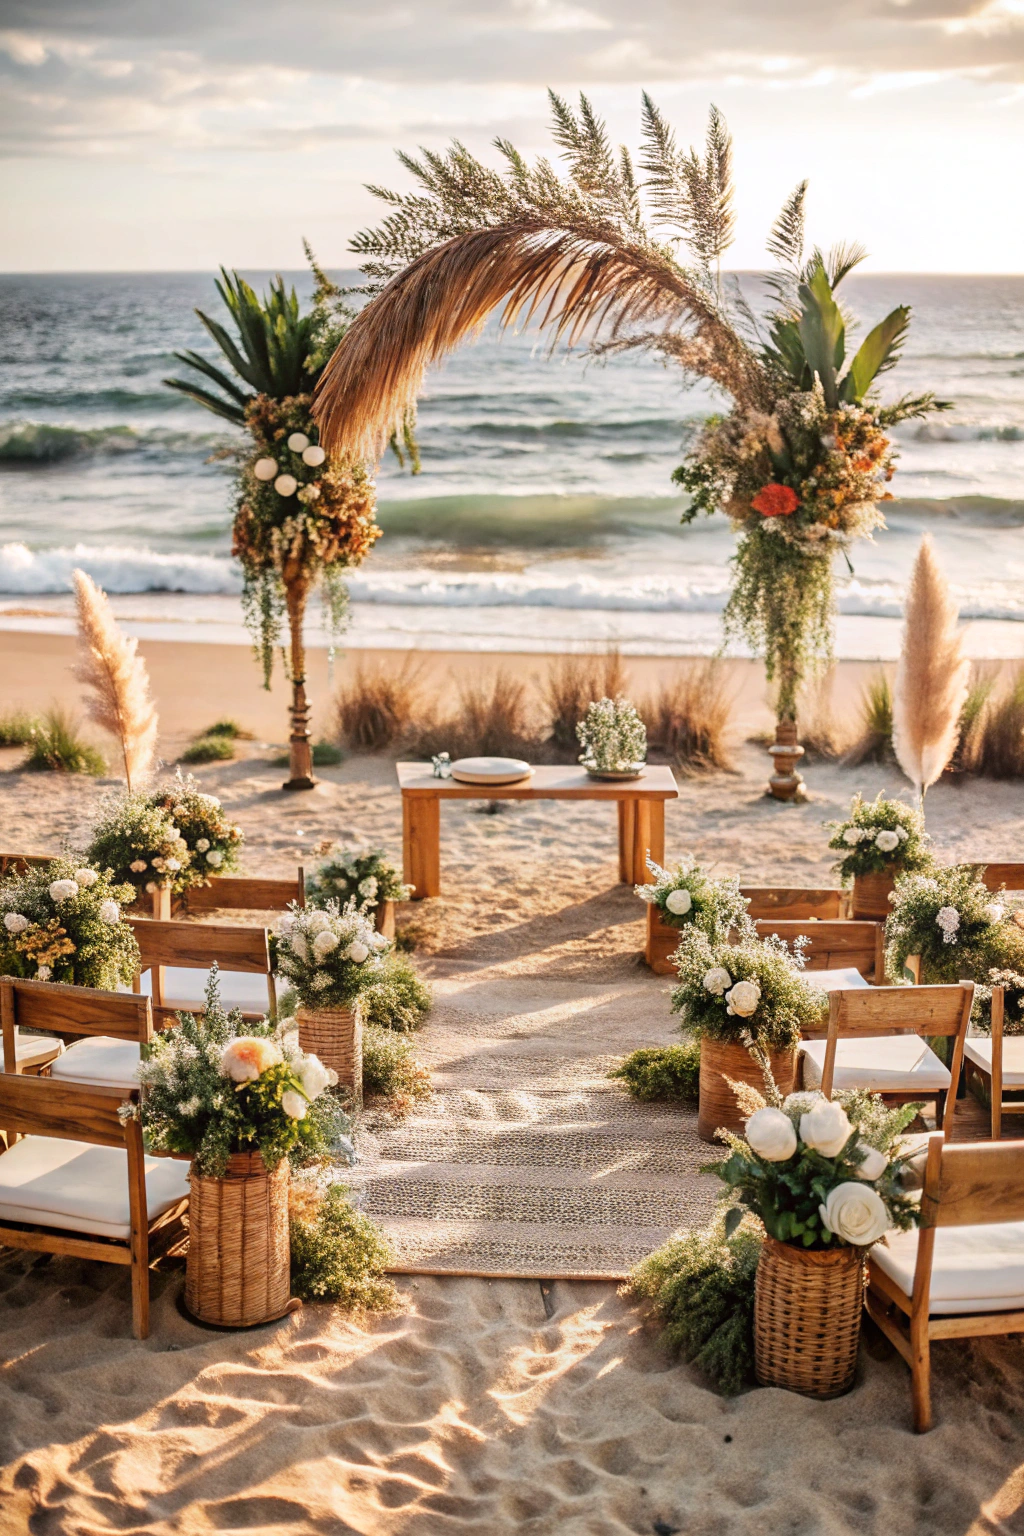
{"x":215,"y":375}
{"x":203,"y":397}
{"x":822,"y":332}
{"x":878,"y":352}
{"x":787,"y":351}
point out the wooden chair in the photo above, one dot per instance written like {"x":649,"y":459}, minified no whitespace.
{"x":999,"y":1061}
{"x":237,"y":893}
{"x":996,"y":876}
{"x":877,"y":1027}
{"x":834,"y":945}
{"x":796,"y":903}
{"x":18,"y":863}
{"x":176,"y":959}
{"x":961,"y":1273}
{"x":78,"y":1181}
{"x":25,"y":1053}
{"x":114,"y":1029}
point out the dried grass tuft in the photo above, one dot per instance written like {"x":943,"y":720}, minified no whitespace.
{"x":687,"y":719}
{"x":494,"y":719}
{"x":874,"y":744}
{"x":824,"y":737}
{"x":993,"y":744}
{"x":377,"y":708}
{"x":573,"y":683}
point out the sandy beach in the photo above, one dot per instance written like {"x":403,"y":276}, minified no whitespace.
{"x":490,"y":1406}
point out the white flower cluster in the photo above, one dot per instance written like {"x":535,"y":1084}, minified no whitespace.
{"x":285,"y":483}
{"x":886,"y":840}
{"x":948,"y":919}
{"x":742,"y":997}
{"x":613,"y":737}
{"x":247,"y":1057}
{"x":328,"y":949}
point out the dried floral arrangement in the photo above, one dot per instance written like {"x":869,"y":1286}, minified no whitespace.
{"x":328,"y":954}
{"x":686,"y":896}
{"x":879,"y":837}
{"x":365,"y":876}
{"x":62,"y":922}
{"x":613,"y":737}
{"x":751,"y":989}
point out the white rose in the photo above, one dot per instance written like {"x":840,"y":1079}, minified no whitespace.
{"x":315,"y":1077}
{"x":298,"y":947}
{"x":286,"y":923}
{"x":137,"y":866}
{"x":297,"y":441}
{"x":286,"y":485}
{"x":110,"y":912}
{"x":771,"y":1135}
{"x":357,"y":952}
{"x":293,"y":1104}
{"x":86,"y":877}
{"x":324,"y":943}
{"x":679,"y":902}
{"x":63,"y":890}
{"x":995,"y":912}
{"x":855,"y":1213}
{"x":172,"y":864}
{"x":265,"y":469}
{"x":826,"y":1128}
{"x":44,"y":973}
{"x":717,"y":980}
{"x":744,"y":998}
{"x":14,"y":922}
{"x":873,"y":1164}
{"x":852,"y":835}
{"x":215,"y":858}
{"x":887,"y":841}
{"x":202,"y":844}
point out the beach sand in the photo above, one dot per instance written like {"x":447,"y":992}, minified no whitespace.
{"x":485,"y":1407}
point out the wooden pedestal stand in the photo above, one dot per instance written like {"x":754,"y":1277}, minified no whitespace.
{"x":785,"y":752}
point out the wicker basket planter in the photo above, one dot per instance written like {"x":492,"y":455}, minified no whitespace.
{"x":336,"y":1036}
{"x":384,"y":918}
{"x":807,"y":1310}
{"x":238,"y":1269}
{"x":720,"y":1059}
{"x":871,"y":897}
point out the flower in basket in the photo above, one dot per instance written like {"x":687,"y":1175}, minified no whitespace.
{"x":62,"y":922}
{"x":329,"y":954}
{"x":950,"y":919}
{"x":213,"y":1086}
{"x":686,"y":896}
{"x":879,"y":837}
{"x":213,"y":840}
{"x":364,"y":876}
{"x":613,"y":737}
{"x":756,"y":987}
{"x":816,"y":1171}
{"x":138,"y":842}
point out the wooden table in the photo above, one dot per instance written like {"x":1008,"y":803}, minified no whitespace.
{"x":641,"y":808}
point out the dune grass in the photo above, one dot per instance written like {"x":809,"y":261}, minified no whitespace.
{"x":378,"y":705}
{"x":670,"y":1072}
{"x":688,"y":718}
{"x":873,"y":743}
{"x":17,"y":728}
{"x":494,"y":718}
{"x":993,"y":735}
{"x":56,"y":747}
{"x":210,"y":749}
{"x":573,"y":683}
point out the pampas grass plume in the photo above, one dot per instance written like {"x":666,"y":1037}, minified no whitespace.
{"x":117,"y":677}
{"x":932,"y":677}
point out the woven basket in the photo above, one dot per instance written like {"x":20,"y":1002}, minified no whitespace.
{"x":238,"y":1269}
{"x":807,"y":1310}
{"x":384,"y":918}
{"x":720,"y":1059}
{"x":336,"y":1036}
{"x":871,"y":897}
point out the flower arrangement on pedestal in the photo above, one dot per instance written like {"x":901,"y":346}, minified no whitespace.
{"x":613,"y":738}
{"x":688,"y":897}
{"x":364,"y":876}
{"x":62,"y":922}
{"x":328,"y":954}
{"x":958,"y":927}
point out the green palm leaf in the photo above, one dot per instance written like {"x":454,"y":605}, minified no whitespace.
{"x":822,"y":332}
{"x":878,"y":352}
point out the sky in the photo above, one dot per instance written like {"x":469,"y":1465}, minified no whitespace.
{"x":185,"y":134}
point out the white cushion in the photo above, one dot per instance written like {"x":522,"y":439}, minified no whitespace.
{"x":102,"y":1059}
{"x":185,"y":987}
{"x":978,"y":1048}
{"x":881,"y":1063}
{"x":81,"y":1188}
{"x":975,"y":1269}
{"x":31,"y":1050}
{"x":835,"y":981}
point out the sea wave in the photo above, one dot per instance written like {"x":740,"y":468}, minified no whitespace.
{"x":35,"y":444}
{"x":26,"y":572}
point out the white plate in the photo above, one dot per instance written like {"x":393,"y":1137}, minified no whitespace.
{"x":490,"y":770}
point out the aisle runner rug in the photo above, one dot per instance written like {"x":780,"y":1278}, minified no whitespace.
{"x":527,"y":1161}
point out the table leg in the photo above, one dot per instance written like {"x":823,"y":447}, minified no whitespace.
{"x":421,"y":844}
{"x":627,"y":836}
{"x":657,"y":841}
{"x":641,"y":841}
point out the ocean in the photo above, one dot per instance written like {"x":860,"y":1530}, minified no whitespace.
{"x":544,"y":516}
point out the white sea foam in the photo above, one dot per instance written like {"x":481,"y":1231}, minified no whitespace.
{"x":26,"y":572}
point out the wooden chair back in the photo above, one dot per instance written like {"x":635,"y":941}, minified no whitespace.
{"x":47,"y":1106}
{"x":833,"y":945}
{"x":972,"y":1183}
{"x":995,"y":876}
{"x":796,"y":902}
{"x":62,"y":1010}
{"x":876,"y":1011}
{"x":18,"y":863}
{"x":247,"y":893}
{"x":197,"y":946}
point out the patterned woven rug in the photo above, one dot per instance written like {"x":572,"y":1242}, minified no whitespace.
{"x":527,"y":1162}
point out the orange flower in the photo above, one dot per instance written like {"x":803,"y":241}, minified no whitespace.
{"x":247,"y":1057}
{"x":775,"y":500}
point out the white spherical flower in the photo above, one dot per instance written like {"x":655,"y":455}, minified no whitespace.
{"x":44,"y":973}
{"x":995,"y":912}
{"x":215,"y":858}
{"x":63,"y":890}
{"x":286,"y":485}
{"x":210,"y":800}
{"x":172,"y":864}
{"x":265,"y":469}
{"x":202,"y":844}
{"x":110,"y":912}
{"x":717,"y":980}
{"x":368,"y":887}
{"x":298,"y":441}
{"x":318,"y":922}
{"x":678,"y":902}
{"x":299,"y":947}
{"x":855,"y":1214}
{"x":137,"y":866}
{"x":286,"y":923}
{"x":86,"y":877}
{"x":324,"y":943}
{"x":314,"y":455}
{"x":826,"y":1128}
{"x":315,"y":1077}
{"x":151,"y":886}
{"x":771,"y":1134}
{"x":886,"y":841}
{"x":357,"y":952}
{"x":294,"y":1104}
{"x":743,"y":998}
{"x":873,"y":1164}
{"x":14,"y":922}
{"x":902,"y":834}
{"x":852,"y":836}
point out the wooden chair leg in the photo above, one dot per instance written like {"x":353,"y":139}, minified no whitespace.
{"x":920,"y":1374}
